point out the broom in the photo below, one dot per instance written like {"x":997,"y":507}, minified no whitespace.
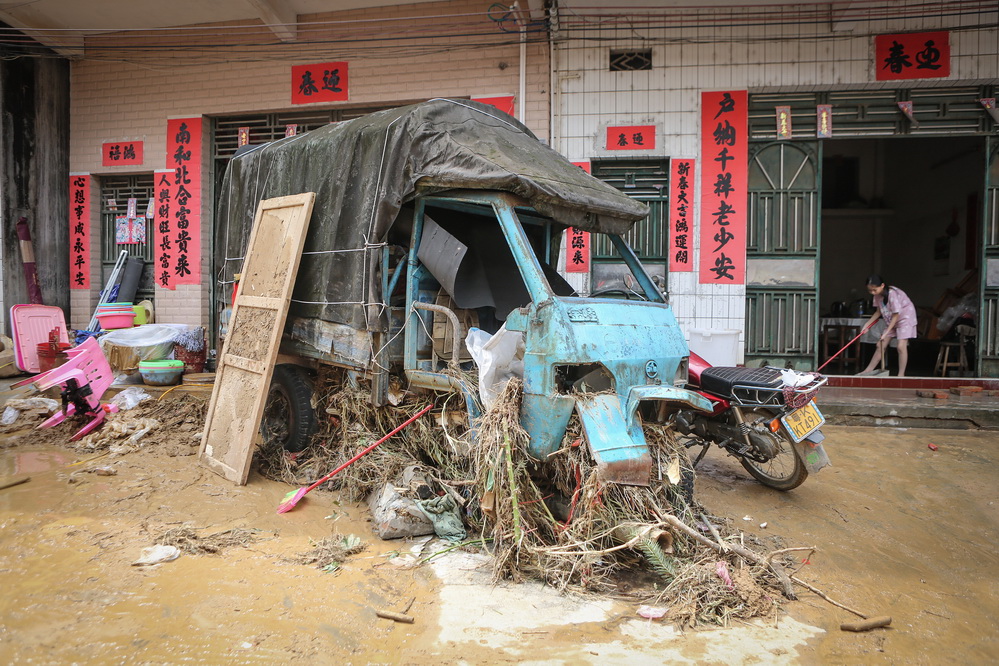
{"x":847,"y":345}
{"x":293,"y":497}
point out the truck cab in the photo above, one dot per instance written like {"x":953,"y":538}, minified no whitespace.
{"x":487,"y":260}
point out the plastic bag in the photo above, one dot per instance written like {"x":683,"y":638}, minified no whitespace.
{"x":153,"y":342}
{"x":968,"y":305}
{"x":499,"y":357}
{"x":130,"y":397}
{"x":793,"y":378}
{"x":9,"y":416}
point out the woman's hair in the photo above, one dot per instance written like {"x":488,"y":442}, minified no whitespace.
{"x":875,"y":280}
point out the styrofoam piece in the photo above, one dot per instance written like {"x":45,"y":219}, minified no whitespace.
{"x":30,"y":326}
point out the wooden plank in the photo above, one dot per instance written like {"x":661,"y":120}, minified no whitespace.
{"x":248,"y":364}
{"x":259,"y":302}
{"x":258,"y":317}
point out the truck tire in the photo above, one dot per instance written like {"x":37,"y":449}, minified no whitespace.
{"x":289,"y":420}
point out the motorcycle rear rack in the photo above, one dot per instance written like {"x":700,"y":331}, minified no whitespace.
{"x":760,"y":396}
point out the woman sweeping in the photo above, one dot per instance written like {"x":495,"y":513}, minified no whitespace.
{"x":899,"y":314}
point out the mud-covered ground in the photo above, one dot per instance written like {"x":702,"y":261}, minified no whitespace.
{"x":900,"y":529}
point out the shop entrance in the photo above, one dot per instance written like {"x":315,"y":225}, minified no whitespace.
{"x":914,"y":198}
{"x":907,"y":209}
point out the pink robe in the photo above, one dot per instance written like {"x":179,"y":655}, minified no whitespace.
{"x":898,"y":302}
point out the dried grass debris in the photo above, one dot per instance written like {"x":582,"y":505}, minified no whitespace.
{"x":189,"y":541}
{"x":330,"y":553}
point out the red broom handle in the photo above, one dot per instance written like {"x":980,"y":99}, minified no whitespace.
{"x":367,"y":450}
{"x":829,"y":360}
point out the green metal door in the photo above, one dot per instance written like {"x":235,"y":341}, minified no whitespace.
{"x":988,"y":334}
{"x":648,"y":182}
{"x":782,"y":253}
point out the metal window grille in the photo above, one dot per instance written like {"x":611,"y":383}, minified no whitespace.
{"x":630,"y":61}
{"x":120,"y":189}
{"x":645,"y":181}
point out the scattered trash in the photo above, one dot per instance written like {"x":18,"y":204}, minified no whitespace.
{"x":9,"y":416}
{"x":120,"y":435}
{"x":651,"y":612}
{"x":443,"y":513}
{"x":104,"y":471}
{"x":673,"y":472}
{"x":932,"y":447}
{"x":794,"y":378}
{"x":130,"y":397}
{"x":38,"y":406}
{"x":721,"y":568}
{"x":499,"y":357}
{"x":395,"y":516}
{"x":747,"y":518}
{"x":413,"y":557}
{"x":156,"y":555}
{"x":763,"y":525}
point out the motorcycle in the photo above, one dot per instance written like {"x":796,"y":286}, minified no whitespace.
{"x":772,"y":427}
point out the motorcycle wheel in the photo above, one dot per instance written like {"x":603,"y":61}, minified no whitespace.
{"x":784,"y":471}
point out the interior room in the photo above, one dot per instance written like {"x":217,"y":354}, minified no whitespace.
{"x":907,"y":209}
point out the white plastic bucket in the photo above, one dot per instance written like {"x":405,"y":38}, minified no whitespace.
{"x":717,"y":347}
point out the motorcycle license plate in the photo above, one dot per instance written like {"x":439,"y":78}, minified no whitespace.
{"x":803,"y":421}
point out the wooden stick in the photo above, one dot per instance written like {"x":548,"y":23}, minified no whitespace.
{"x":714,"y":533}
{"x":398,"y":617}
{"x":866,"y":625}
{"x":642,"y":533}
{"x":826,"y":597}
{"x":783,"y":551}
{"x":14,"y":482}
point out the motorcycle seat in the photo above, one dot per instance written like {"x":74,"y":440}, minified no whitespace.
{"x":720,"y":381}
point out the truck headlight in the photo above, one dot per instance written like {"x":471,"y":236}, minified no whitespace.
{"x":680,"y":378}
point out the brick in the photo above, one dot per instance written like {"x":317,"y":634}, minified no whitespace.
{"x":936,"y":395}
{"x":963,"y":391}
{"x":967,"y":389}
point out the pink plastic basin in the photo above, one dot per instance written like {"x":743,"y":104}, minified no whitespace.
{"x":111,"y":321}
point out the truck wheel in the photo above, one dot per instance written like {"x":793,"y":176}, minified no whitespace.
{"x":289,"y":420}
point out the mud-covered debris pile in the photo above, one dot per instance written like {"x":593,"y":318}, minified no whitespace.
{"x":553,"y":520}
{"x":173,"y":425}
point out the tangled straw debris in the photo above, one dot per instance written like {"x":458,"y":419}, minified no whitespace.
{"x":553,"y":520}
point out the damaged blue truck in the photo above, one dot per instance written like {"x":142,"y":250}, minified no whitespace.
{"x":449,"y":215}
